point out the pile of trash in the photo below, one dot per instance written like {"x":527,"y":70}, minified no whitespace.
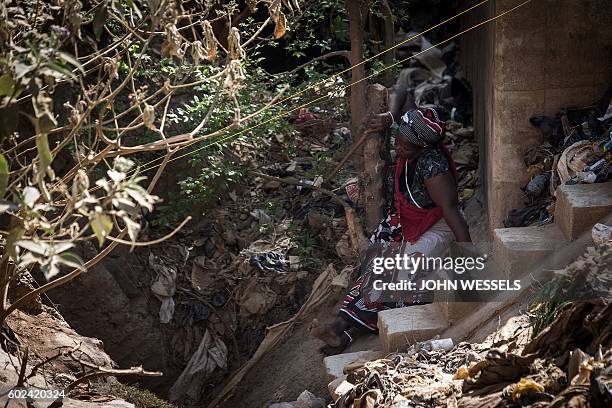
{"x":568,"y":363}
{"x":577,"y":148}
{"x":436,"y":78}
{"x":231,"y":285}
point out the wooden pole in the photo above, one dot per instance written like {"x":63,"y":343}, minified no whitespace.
{"x":373,"y":163}
{"x":357,"y":91}
{"x":389,"y":41}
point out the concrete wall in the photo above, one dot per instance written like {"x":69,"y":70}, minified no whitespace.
{"x":544,"y":56}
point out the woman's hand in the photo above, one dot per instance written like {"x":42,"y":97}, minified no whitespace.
{"x":380,"y":121}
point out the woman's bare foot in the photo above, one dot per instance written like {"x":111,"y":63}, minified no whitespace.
{"x":325,"y":332}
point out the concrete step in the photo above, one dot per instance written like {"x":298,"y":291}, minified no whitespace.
{"x":581,"y":206}
{"x":518,"y":251}
{"x":334,"y":365}
{"x":399,"y":328}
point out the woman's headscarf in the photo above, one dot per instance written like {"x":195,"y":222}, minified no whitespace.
{"x":423,"y":126}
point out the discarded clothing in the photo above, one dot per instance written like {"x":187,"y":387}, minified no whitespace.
{"x":270,"y":262}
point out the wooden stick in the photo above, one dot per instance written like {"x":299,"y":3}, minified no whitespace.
{"x":352,"y":150}
{"x":355,"y":230}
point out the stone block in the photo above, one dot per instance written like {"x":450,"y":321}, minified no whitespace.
{"x":581,"y":206}
{"x":334,"y":365}
{"x":398,"y":328}
{"x":518,"y":251}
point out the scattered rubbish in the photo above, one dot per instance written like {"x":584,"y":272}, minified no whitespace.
{"x":431,"y":345}
{"x":524,"y":387}
{"x":538,"y":184}
{"x":261,"y":216}
{"x":352,"y":189}
{"x":602,"y":234}
{"x":270,"y":262}
{"x":210,"y":355}
{"x":255,"y":298}
{"x":511,"y":367}
{"x":575,"y":150}
{"x":163,"y":287}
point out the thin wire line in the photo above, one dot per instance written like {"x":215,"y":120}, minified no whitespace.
{"x":323,"y":81}
{"x":346,"y":87}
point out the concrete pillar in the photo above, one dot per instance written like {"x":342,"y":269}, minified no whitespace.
{"x":546,"y":55}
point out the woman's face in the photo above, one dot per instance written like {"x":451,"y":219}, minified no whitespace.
{"x":405,"y":149}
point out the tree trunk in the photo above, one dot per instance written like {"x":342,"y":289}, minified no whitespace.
{"x":357,"y":91}
{"x":389,"y":37}
{"x":373,"y":164}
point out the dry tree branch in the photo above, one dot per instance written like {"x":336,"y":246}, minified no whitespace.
{"x":106,"y":372}
{"x":341,"y":53}
{"x":155,"y":241}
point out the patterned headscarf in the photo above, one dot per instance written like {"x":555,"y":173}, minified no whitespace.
{"x":423,"y":126}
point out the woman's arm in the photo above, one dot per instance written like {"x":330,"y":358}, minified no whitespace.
{"x":443,"y":191}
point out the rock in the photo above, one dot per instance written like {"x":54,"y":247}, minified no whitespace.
{"x":342,"y":280}
{"x":118,"y":404}
{"x":20,"y":287}
{"x":271,"y":185}
{"x":308,"y":400}
{"x":339,"y":387}
{"x":44,"y":334}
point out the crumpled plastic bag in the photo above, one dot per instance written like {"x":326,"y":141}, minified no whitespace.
{"x":576,"y":158}
{"x":211,"y":353}
{"x":255,"y":298}
{"x":163,"y":287}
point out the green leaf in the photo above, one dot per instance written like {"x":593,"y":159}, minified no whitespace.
{"x":39,"y":248}
{"x":133,"y":228}
{"x":51,"y":268}
{"x":30,"y":196}
{"x":7,"y":206}
{"x":71,"y":60}
{"x":4,"y":175}
{"x":99,"y":21}
{"x":101,"y":224}
{"x":140,"y":195}
{"x":60,"y":247}
{"x":72,"y":260}
{"x":14,"y":235}
{"x":61,"y":69}
{"x":44,"y":152}
{"x":7,"y":86}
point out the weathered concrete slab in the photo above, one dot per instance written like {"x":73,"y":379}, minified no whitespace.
{"x":334,"y":365}
{"x":401,"y":327}
{"x":517,"y":251}
{"x":581,"y":206}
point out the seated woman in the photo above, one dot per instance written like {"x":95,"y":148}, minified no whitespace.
{"x":422,"y":221}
